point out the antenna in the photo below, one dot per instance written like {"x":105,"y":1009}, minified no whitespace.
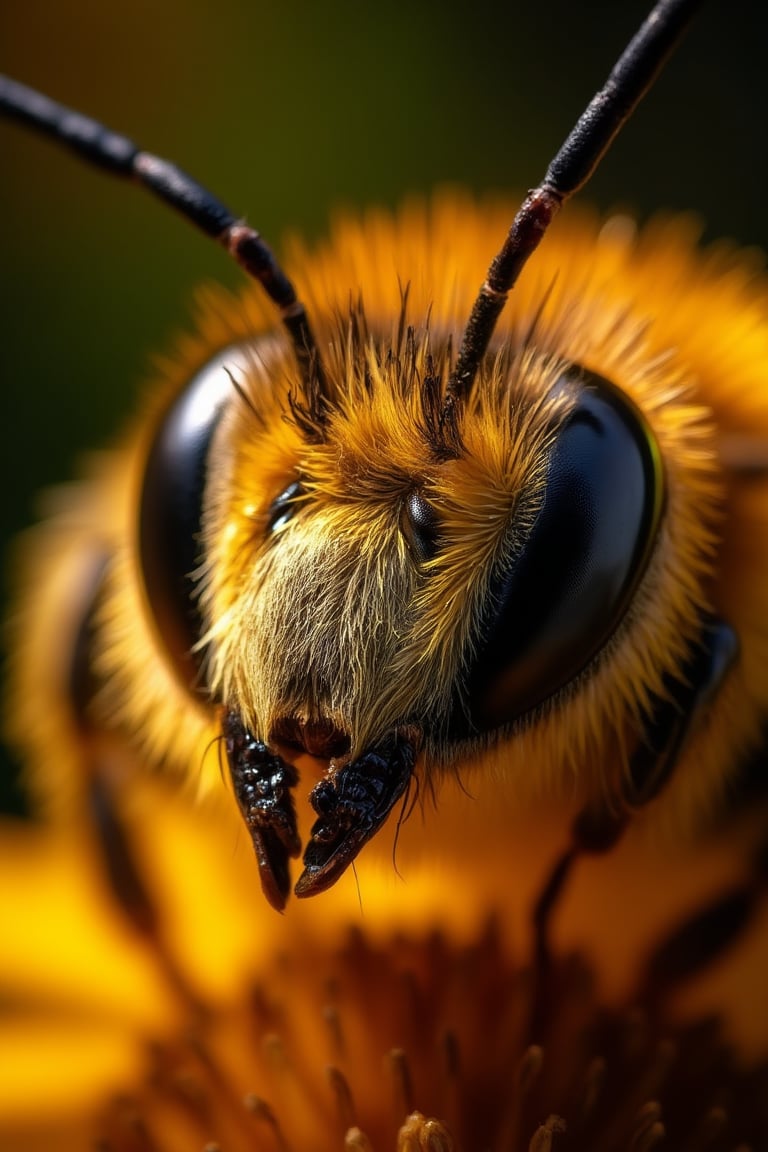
{"x":580,"y":154}
{"x":114,"y":153}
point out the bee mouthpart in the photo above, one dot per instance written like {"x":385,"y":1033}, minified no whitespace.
{"x":352,"y":801}
{"x":351,"y":805}
{"x":262,"y":783}
{"x":318,"y":737}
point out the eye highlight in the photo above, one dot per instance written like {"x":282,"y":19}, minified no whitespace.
{"x":285,"y":506}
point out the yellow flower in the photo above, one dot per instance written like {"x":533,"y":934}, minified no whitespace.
{"x":169,"y":1008}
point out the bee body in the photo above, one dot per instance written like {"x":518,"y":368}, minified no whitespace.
{"x":387,"y":544}
{"x":336,"y":587}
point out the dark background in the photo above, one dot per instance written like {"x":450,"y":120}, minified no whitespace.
{"x":288,"y":110}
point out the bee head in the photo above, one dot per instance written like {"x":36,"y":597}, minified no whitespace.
{"x":386,"y":566}
{"x":396,"y":551}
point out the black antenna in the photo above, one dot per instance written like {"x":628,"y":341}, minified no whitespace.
{"x":571,"y":168}
{"x":117,"y":154}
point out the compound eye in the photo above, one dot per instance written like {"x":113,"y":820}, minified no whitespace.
{"x":553,"y":608}
{"x":284,"y":507}
{"x":172,"y":504}
{"x":420,"y":525}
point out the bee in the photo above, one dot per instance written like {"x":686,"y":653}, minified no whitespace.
{"x":420,"y":528}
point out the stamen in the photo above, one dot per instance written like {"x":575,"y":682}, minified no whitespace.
{"x":357,"y":1141}
{"x":591,"y":1089}
{"x":713,"y":1124}
{"x":343,"y":1096}
{"x":526,"y":1076}
{"x":421,"y":1135}
{"x":649,"y":1131}
{"x":332,"y":1018}
{"x":461,"y":1071}
{"x":262,"y":1111}
{"x":529,"y":1069}
{"x":125,"y":1127}
{"x":401,"y":1075}
{"x":450,"y":1098}
{"x":544,"y":1137}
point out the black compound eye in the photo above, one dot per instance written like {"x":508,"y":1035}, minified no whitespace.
{"x":553,"y":609}
{"x":172,"y":503}
{"x":420,"y":525}
{"x":284,"y":507}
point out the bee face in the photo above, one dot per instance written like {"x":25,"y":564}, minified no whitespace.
{"x":343,"y":583}
{"x":378,"y":580}
{"x":359,"y":596}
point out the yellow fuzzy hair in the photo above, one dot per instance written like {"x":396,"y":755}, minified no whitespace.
{"x":330,"y":615}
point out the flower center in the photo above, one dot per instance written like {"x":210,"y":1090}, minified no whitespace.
{"x":419,"y":1045}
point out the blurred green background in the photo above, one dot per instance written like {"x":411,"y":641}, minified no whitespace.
{"x":286,"y":111}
